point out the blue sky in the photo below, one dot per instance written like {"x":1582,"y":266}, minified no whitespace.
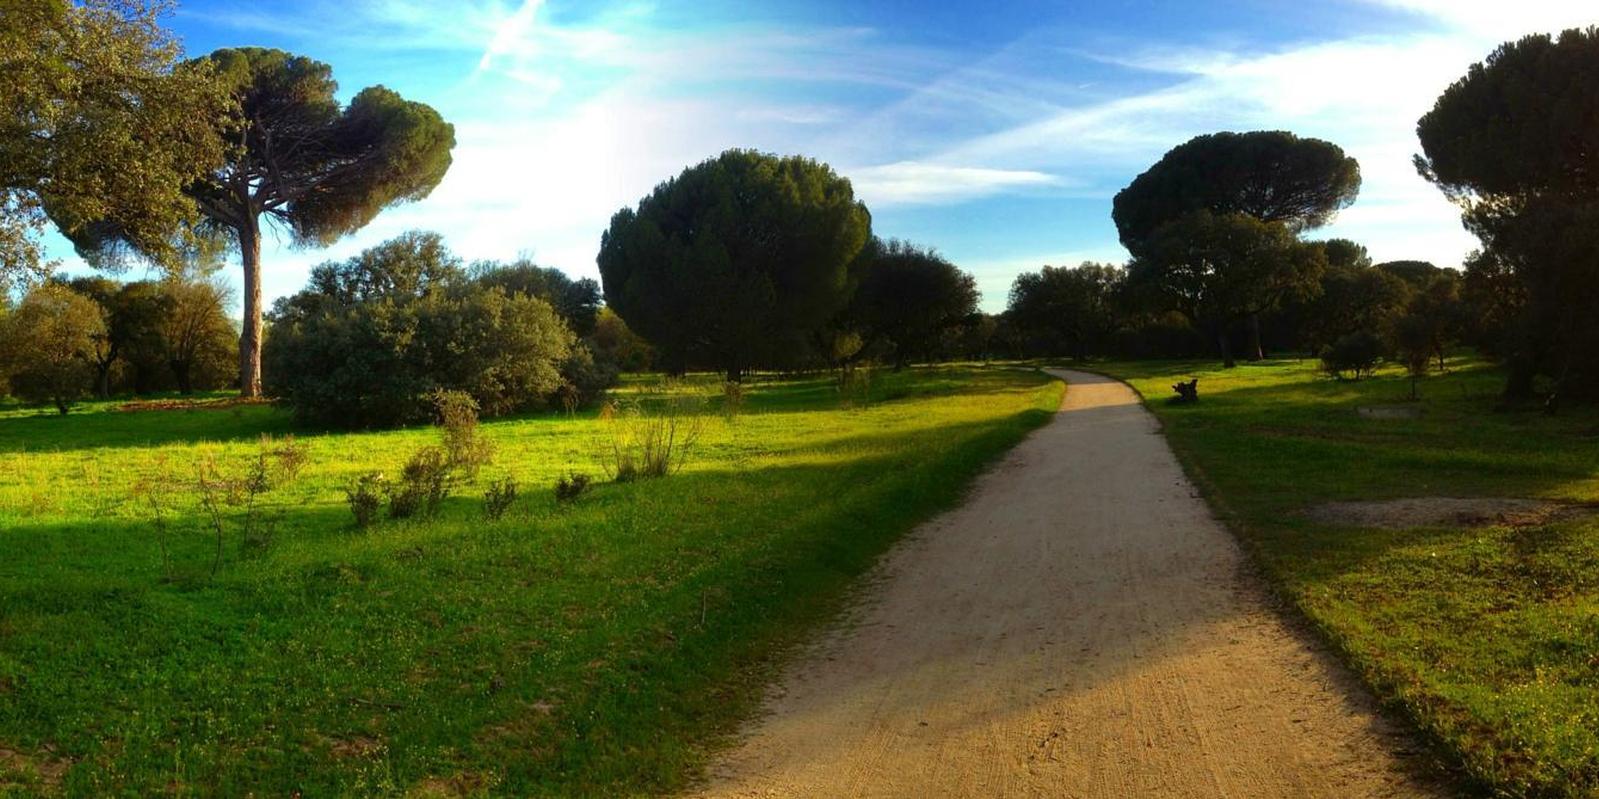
{"x":995,"y":131}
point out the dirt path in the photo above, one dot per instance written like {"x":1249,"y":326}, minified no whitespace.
{"x":1081,"y":627}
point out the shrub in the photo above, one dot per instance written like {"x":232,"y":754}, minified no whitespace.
{"x":499,"y":498}
{"x":424,"y":484}
{"x":365,"y":496}
{"x":371,"y":340}
{"x":584,"y":378}
{"x":242,"y":489}
{"x":733,"y":397}
{"x":612,"y":342}
{"x":1355,"y":354}
{"x":571,"y":487}
{"x":649,"y":444}
{"x":464,"y":449}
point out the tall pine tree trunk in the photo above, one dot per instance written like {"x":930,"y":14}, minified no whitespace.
{"x":1256,"y":352}
{"x":1226,"y":349}
{"x":250,"y":335}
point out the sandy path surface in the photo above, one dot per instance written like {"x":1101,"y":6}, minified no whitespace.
{"x":1081,"y":627}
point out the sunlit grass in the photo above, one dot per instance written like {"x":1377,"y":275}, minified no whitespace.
{"x":595,"y":648}
{"x":1487,"y":637}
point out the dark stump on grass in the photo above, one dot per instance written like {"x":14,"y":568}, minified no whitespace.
{"x":1187,"y":393}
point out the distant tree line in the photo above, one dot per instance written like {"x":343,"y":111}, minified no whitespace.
{"x":93,"y":335}
{"x":1102,"y":310}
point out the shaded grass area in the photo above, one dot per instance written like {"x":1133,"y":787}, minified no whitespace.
{"x":598,"y":648}
{"x":1487,"y":637}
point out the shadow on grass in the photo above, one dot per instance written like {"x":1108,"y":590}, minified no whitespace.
{"x":590,"y":649}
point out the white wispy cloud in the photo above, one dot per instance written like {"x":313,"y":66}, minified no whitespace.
{"x":915,"y":182}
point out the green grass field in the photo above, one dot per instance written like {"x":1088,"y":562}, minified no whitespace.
{"x":1487,"y":637}
{"x":592,"y":649}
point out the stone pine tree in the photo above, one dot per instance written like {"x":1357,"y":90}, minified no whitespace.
{"x":1273,"y":176}
{"x":734,"y":263}
{"x":1515,"y":144}
{"x":318,"y":169}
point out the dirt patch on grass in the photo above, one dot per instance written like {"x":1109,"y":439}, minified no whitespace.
{"x":1400,"y":514}
{"x":1389,"y":411}
{"x":213,"y":404}
{"x":43,"y":769}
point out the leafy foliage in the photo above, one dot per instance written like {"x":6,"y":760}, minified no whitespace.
{"x":424,"y":484}
{"x":374,"y":336}
{"x":1216,"y":270}
{"x":499,"y":497}
{"x":1353,"y":298}
{"x":318,"y":169}
{"x":1514,"y":145}
{"x":1067,"y":310}
{"x":614,"y":342}
{"x":734,"y":262}
{"x":47,"y":343}
{"x":577,"y":301}
{"x":101,"y":128}
{"x":908,"y":297}
{"x":571,"y":486}
{"x":1273,"y":176}
{"x":1354,"y":355}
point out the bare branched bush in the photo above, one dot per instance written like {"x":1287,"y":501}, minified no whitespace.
{"x":464,"y":448}
{"x":233,"y":495}
{"x":499,"y":498}
{"x":733,"y":398}
{"x":648,"y":442}
{"x":153,"y":492}
{"x":365,"y":496}
{"x":424,"y":484}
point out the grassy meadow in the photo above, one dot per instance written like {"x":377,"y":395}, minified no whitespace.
{"x":1486,"y":637}
{"x":596,"y":647}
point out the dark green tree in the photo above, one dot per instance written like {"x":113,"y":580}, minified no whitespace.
{"x":134,"y":314}
{"x":1435,"y":318}
{"x":1219,"y":270}
{"x":736,"y":261}
{"x":1417,"y":274}
{"x":908,"y":297}
{"x":1067,"y":310}
{"x":1352,"y":298}
{"x":197,"y":339}
{"x":1345,"y":254}
{"x":577,"y":301}
{"x":297,"y":157}
{"x":369,"y":339}
{"x":1514,"y":143}
{"x":1273,"y":176}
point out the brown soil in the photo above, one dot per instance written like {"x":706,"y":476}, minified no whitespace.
{"x":1400,"y":514}
{"x":220,"y":403}
{"x":45,"y":767}
{"x":1080,"y":627}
